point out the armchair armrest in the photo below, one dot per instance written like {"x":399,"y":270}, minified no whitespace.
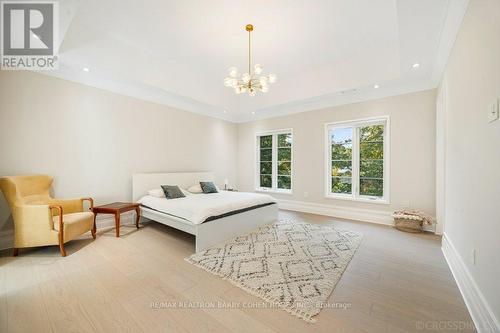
{"x":91,"y":202}
{"x":60,"y":235}
{"x":60,"y":213}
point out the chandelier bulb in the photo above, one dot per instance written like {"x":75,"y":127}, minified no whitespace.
{"x":246,"y":77}
{"x":257,"y":69}
{"x":233,"y":72}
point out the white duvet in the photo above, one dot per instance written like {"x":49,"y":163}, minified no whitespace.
{"x":197,"y":208}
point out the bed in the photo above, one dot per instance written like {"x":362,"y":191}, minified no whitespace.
{"x":211,"y":218}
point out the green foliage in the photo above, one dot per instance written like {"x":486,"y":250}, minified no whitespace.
{"x":285,"y":182}
{"x":371,"y":150}
{"x":266,"y":181}
{"x":266,"y":168}
{"x":372,"y":187}
{"x":341,"y":151}
{"x":266,"y":141}
{"x":341,"y":168}
{"x":284,"y":154}
{"x":285,"y":140}
{"x":341,"y":185}
{"x":372,"y":133}
{"x":371,"y":169}
{"x":284,"y":168}
{"x":266,"y":154}
{"x":284,"y":144}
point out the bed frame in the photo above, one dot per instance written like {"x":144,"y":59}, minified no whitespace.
{"x":208,"y":233}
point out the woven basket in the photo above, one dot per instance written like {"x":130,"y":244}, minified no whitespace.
{"x":408,"y":225}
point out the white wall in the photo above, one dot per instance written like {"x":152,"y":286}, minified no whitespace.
{"x":412,"y":178}
{"x":472,"y":151}
{"x":92,"y":140}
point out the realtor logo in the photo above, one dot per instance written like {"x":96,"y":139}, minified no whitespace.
{"x":29,"y":32}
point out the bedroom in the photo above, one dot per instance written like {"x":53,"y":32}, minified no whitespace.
{"x":355,"y":110}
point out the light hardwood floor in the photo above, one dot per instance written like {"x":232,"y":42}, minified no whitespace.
{"x":396,"y":282}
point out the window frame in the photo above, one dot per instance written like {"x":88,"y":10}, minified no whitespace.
{"x":274,"y":188}
{"x":356,"y":124}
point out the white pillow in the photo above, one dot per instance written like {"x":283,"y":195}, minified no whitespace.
{"x":196,"y":189}
{"x":157,"y":193}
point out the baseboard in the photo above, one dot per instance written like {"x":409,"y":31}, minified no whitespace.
{"x":103,"y":221}
{"x":481,"y":313}
{"x":349,"y":213}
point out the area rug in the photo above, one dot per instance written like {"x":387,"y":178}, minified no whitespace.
{"x":290,"y":264}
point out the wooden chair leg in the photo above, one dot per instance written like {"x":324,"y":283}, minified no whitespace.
{"x":61,"y":239}
{"x":61,"y":230}
{"x":61,"y":248}
{"x":94,"y":227}
{"x":15,"y":252}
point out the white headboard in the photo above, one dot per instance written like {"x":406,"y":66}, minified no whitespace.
{"x":143,"y":182}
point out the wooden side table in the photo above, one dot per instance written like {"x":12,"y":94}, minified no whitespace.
{"x":116,"y":208}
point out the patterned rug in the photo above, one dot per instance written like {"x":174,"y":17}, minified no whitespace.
{"x":292,"y":265}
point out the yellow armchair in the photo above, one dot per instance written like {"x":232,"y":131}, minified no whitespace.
{"x":40,"y":220}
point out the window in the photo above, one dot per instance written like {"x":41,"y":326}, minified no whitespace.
{"x":357,"y":155}
{"x":274,"y":161}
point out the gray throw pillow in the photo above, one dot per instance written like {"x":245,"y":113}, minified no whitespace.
{"x":172,"y":191}
{"x":208,"y":187}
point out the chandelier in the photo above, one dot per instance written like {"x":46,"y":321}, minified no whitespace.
{"x":251,"y":81}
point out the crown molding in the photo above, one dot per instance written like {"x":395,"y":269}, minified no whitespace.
{"x":162,"y":97}
{"x":139,"y":91}
{"x":394,"y":88}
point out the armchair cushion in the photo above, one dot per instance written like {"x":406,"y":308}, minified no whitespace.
{"x":75,"y":224}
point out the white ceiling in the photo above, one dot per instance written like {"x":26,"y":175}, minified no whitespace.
{"x":325,"y":52}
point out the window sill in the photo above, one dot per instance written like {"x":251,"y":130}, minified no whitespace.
{"x":365,"y":200}
{"x":275,"y":191}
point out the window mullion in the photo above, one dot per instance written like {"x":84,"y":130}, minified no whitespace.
{"x":385,"y":162}
{"x":275,"y":161}
{"x":329,"y":162}
{"x":355,"y":163}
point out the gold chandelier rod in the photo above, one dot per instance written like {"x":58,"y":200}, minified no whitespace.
{"x":249,"y":28}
